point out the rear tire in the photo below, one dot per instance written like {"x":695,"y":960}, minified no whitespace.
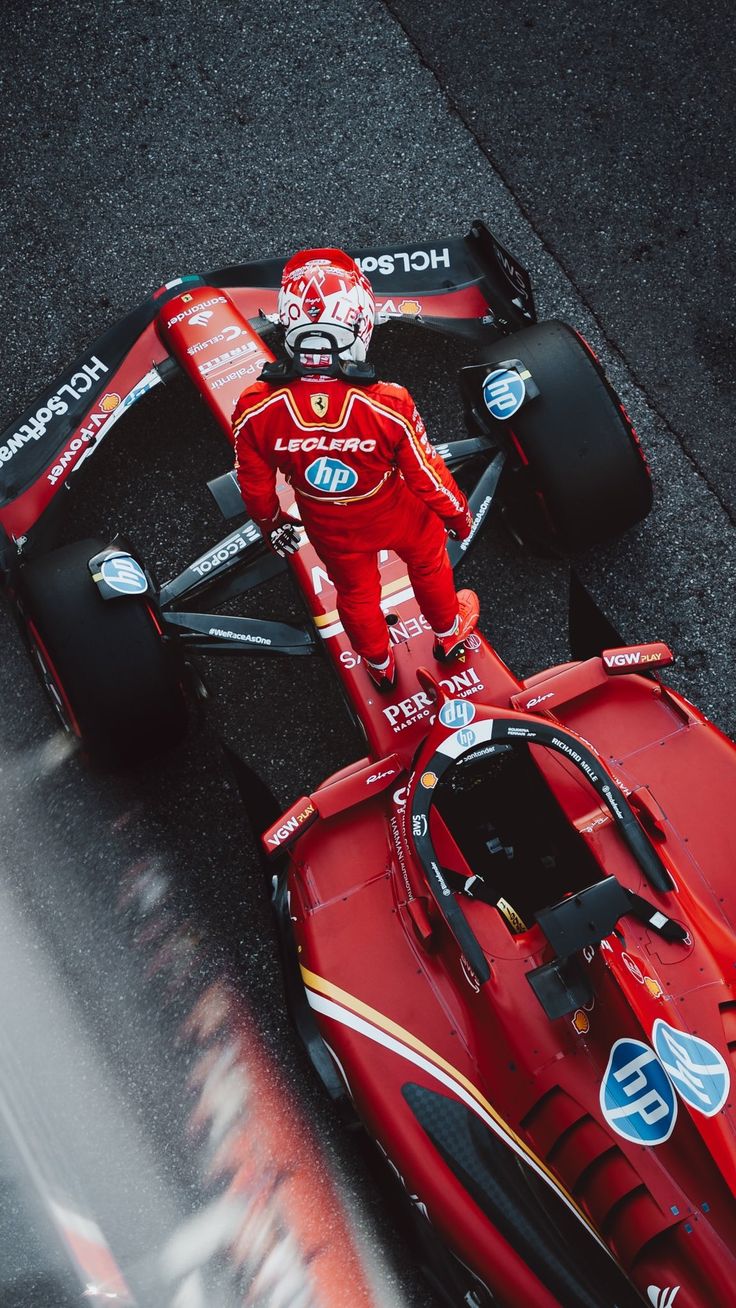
{"x":579,"y":476}
{"x":104,"y":663}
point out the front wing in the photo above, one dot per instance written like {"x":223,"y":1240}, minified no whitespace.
{"x":465,"y":285}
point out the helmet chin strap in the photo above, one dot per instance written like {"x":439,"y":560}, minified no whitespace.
{"x":325,"y":348}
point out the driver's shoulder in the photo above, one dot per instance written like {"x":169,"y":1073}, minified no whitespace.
{"x":391,"y":394}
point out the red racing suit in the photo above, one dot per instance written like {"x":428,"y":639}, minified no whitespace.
{"x":365,"y":478}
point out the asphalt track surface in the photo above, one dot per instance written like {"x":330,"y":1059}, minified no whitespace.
{"x":141,"y":141}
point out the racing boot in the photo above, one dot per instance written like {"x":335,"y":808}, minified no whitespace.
{"x":383,"y":673}
{"x":452,"y":643}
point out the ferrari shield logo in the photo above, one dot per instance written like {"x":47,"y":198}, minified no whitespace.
{"x":319,"y":404}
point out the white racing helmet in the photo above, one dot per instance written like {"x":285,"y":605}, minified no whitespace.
{"x":326,"y":308}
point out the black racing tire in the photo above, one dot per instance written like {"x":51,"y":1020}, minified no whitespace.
{"x":577,"y":474}
{"x":104,"y":663}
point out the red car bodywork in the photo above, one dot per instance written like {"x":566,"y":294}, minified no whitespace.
{"x":396,"y":1001}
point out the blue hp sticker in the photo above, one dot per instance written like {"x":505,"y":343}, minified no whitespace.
{"x":466,"y":737}
{"x":503,"y":393}
{"x":697,"y":1070}
{"x":637,"y":1096}
{"x":457,"y":713}
{"x":331,"y":475}
{"x":124,"y":575}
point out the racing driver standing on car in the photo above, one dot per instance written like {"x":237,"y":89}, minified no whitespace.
{"x":356,"y":453}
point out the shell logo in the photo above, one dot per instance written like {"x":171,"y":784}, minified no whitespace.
{"x":109,"y":402}
{"x":653,"y":987}
{"x":581,"y":1022}
{"x":429,"y":780}
{"x":411,"y":308}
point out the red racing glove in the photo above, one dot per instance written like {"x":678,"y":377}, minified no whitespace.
{"x":461,"y":526}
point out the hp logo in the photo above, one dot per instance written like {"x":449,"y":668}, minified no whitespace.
{"x":698,"y":1071}
{"x":637,"y":1097}
{"x":331,"y":476}
{"x":124,"y":575}
{"x":503,"y":393}
{"x":456,"y":713}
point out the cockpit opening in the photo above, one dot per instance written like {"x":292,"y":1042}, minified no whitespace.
{"x":512,"y":832}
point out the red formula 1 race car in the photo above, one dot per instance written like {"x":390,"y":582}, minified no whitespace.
{"x":551,"y":442}
{"x":507,"y":928}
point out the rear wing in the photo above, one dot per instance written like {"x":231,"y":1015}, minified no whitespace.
{"x":468,"y":285}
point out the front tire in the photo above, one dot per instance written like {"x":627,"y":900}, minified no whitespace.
{"x":104,"y":663}
{"x":577,"y":475}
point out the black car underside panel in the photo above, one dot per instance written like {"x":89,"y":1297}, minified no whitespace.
{"x":576,"y":1269}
